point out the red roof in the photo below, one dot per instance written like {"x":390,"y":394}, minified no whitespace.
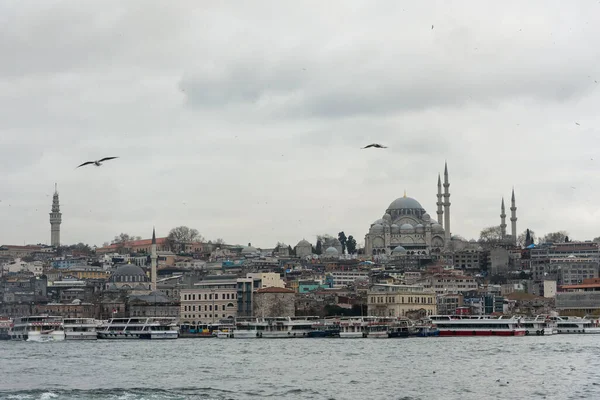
{"x":274,"y":290}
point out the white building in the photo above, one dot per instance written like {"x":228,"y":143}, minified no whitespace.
{"x":345,"y":278}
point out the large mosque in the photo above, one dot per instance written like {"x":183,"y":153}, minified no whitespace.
{"x":407,"y":229}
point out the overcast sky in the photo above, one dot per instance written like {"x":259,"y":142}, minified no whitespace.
{"x":245,"y":120}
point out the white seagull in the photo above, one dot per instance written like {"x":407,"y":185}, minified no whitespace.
{"x":97,"y":163}
{"x":376,"y":145}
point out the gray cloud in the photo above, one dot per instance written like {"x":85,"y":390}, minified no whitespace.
{"x":249,"y":126}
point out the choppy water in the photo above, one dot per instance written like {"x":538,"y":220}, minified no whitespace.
{"x":557,"y":367}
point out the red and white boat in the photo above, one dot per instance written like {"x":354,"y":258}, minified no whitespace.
{"x":475,"y":325}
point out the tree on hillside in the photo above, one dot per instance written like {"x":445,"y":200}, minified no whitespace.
{"x":351,"y":245}
{"x":122,"y":239}
{"x":219,"y":242}
{"x":182,"y":235}
{"x":324,"y":238}
{"x":491,"y":234}
{"x":319,"y":247}
{"x":342,"y":238}
{"x":521,"y":239}
{"x":555,"y":237}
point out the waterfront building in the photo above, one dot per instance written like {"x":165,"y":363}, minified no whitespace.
{"x":400,"y":300}
{"x":580,"y":299}
{"x":212,"y":299}
{"x":55,"y":220}
{"x":274,"y":302}
{"x":267,"y":279}
{"x":450,"y":283}
{"x":343,"y":278}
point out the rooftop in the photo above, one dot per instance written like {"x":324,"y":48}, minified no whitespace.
{"x":274,"y":290}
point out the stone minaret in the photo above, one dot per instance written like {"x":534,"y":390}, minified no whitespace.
{"x":513,"y":218}
{"x":153,"y":258}
{"x":55,"y":220}
{"x":440,"y":211}
{"x":447,"y":206}
{"x":502,"y":220}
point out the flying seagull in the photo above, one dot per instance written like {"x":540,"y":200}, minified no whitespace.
{"x":376,"y":145}
{"x":97,"y":163}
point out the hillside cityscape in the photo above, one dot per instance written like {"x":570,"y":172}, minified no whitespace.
{"x":196,"y":281}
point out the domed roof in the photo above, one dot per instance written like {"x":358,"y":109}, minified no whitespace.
{"x":377,"y":228}
{"x":426,"y":217}
{"x":129,"y":270}
{"x":399,"y":249}
{"x":331,"y":251}
{"x":380,"y":221}
{"x":406,"y":227}
{"x":437,"y":228}
{"x":420,"y":228}
{"x":395,"y":228}
{"x":387,"y":217}
{"x":249,"y":249}
{"x":403,"y":203}
{"x":303,"y":242}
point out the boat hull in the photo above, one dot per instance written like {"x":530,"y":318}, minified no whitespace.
{"x":54,"y":336}
{"x":590,"y":331}
{"x":246,"y":334}
{"x":137,"y":335}
{"x":482,"y":332}
{"x":351,"y":335}
{"x":81,"y":336}
{"x":540,"y":332}
{"x":284,"y":334}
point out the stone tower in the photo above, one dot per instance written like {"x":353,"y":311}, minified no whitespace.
{"x":502,"y":221}
{"x":447,"y":207}
{"x":513,"y":218}
{"x":153,"y":258}
{"x":440,"y":211}
{"x":55,"y":220}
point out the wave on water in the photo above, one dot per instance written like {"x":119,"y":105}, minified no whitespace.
{"x":121,"y":394}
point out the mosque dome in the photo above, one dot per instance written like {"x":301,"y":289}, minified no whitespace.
{"x":404,"y":203}
{"x":380,"y":222}
{"x":406,"y":228}
{"x":129,"y":273}
{"x":426,"y":217}
{"x":420,"y":228}
{"x":377,"y":228}
{"x":387,"y":218}
{"x":395,"y":228}
{"x":399,"y":250}
{"x":437,"y":228}
{"x":331,"y":252}
{"x":303,"y":243}
{"x":249,"y":250}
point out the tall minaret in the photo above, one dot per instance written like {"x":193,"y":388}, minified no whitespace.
{"x":447,"y":206}
{"x":153,"y":258}
{"x":440,"y":211}
{"x":55,"y":220}
{"x":503,"y":220}
{"x":513,"y":218}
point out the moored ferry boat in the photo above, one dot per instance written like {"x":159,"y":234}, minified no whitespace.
{"x":249,"y":328}
{"x":288,"y":327}
{"x":466,"y":325}
{"x":353,"y":327}
{"x":325,"y":329}
{"x":539,"y":326}
{"x":380,"y":328}
{"x":573,"y":325}
{"x":5,"y":324}
{"x":139,"y":328}
{"x":80,"y":328}
{"x":39,"y":328}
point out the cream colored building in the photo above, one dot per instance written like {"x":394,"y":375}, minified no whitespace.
{"x":398,"y":300}
{"x":268,"y":279}
{"x":211,"y":300}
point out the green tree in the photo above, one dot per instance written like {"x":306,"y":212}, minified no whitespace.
{"x":342,"y":238}
{"x":122,"y":239}
{"x":319,"y":247}
{"x":351,"y":245}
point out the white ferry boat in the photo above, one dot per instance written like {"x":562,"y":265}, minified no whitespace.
{"x":470,"y":325}
{"x":540,"y":326}
{"x":381,"y":328}
{"x":288,"y":327}
{"x":576,"y":325}
{"x":353,"y":327}
{"x":80,"y":328}
{"x":252,"y":328}
{"x":5,"y":324}
{"x":40,"y":328}
{"x":139,"y":328}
